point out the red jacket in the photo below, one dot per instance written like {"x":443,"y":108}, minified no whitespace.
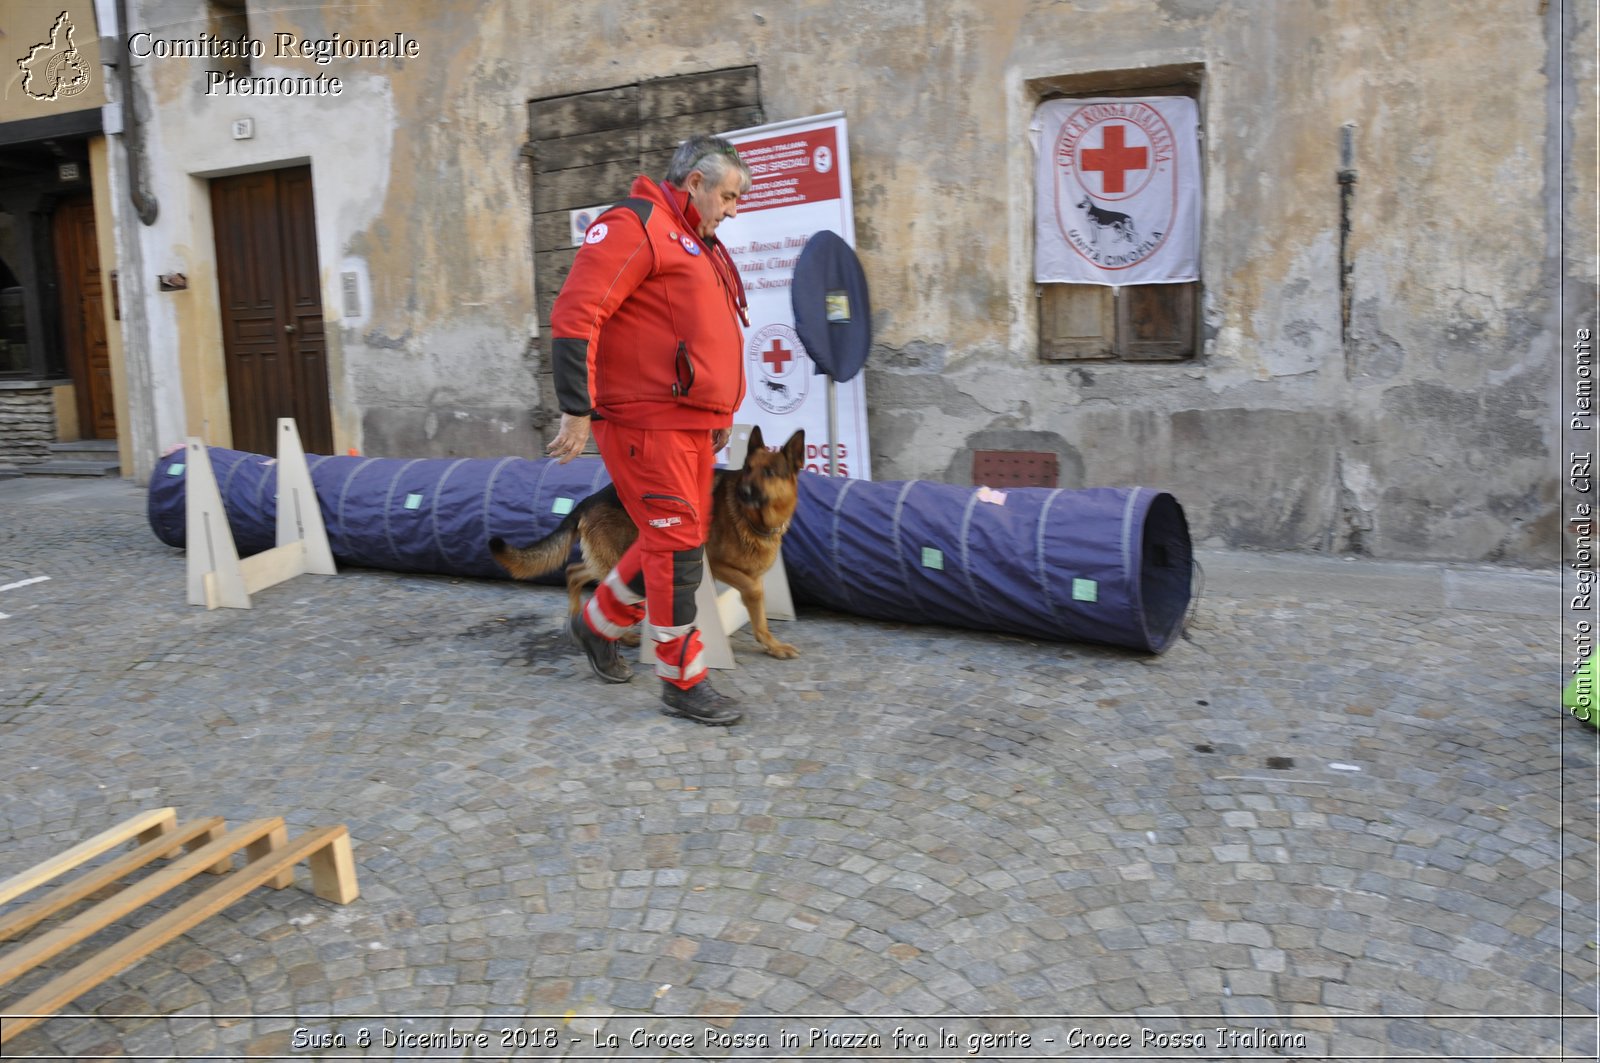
{"x":646,"y":329}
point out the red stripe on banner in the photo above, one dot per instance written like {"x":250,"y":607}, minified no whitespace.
{"x":791,"y":168}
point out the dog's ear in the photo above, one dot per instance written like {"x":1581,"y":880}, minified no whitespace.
{"x":756,"y":445}
{"x":795,"y":449}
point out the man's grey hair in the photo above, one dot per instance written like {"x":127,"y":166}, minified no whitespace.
{"x":711,"y":156}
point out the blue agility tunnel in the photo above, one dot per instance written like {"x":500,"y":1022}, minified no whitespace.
{"x":406,"y":515}
{"x":1102,"y":564}
{"x":1109,"y":565}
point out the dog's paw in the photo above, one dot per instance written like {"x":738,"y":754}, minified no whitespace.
{"x":630,"y":637}
{"x":783,"y":651}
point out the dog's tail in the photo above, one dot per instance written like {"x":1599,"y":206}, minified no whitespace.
{"x":544,"y":556}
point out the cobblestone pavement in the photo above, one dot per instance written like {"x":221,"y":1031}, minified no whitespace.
{"x":1343,"y":818}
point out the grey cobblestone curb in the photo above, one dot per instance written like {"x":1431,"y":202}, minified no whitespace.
{"x":1348,"y":816}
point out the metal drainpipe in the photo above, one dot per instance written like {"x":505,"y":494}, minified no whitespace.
{"x":144,"y":203}
{"x":1347,"y":197}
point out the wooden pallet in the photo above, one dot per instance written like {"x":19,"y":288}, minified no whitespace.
{"x":209,"y":848}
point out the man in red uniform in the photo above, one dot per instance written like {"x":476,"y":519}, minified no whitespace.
{"x":647,"y":348}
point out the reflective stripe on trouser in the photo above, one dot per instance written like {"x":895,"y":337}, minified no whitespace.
{"x":616,"y":605}
{"x":680,"y":657}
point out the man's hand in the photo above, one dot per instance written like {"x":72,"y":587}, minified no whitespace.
{"x":570,"y":440}
{"x":719,"y":438}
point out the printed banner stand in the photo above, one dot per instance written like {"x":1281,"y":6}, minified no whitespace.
{"x":800,"y":186}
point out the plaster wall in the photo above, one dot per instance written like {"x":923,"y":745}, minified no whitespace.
{"x":416,"y":194}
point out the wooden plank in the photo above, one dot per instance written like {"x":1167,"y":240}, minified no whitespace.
{"x":70,"y":893}
{"x":333,"y":870}
{"x":730,"y":608}
{"x":546,"y":308}
{"x":263,"y":847}
{"x":775,"y":584}
{"x":212,"y":559}
{"x":1076,"y":321}
{"x":62,"y":990}
{"x":712,"y":90}
{"x":271,"y":567}
{"x":583,"y":186}
{"x":550,"y":269}
{"x":28,"y":956}
{"x":552,"y":231}
{"x":1157,"y":321}
{"x":583,"y":112}
{"x":655,"y":163}
{"x":155,"y":821}
{"x":663,"y":135}
{"x":587,"y":149}
{"x":299,"y":514}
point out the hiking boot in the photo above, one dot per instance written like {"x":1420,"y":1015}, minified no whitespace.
{"x":700,"y":703}
{"x":602,"y":652}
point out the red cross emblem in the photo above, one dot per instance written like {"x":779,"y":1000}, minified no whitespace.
{"x":777,"y":356}
{"x":1113,"y":159}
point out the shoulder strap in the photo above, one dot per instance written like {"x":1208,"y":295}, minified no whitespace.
{"x":641,"y":207}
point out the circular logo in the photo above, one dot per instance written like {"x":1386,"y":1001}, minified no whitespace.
{"x":1116,"y":184}
{"x":690,"y":246}
{"x":822,"y":159}
{"x":596,"y":233}
{"x":780,"y":369}
{"x":67,"y":73}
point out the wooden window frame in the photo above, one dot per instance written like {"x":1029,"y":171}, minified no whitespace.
{"x":1136,"y":323}
{"x":1118,"y":324}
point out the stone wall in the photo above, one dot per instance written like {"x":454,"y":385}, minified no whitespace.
{"x":27,"y":424}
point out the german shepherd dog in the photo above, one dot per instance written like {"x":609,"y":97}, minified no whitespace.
{"x":1117,"y":222}
{"x":750,"y":510}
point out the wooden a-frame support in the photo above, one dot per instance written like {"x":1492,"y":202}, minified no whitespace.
{"x":270,"y":857}
{"x":217,"y":576}
{"x":719,"y":611}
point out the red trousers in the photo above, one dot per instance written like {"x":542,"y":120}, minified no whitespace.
{"x":663,"y":477}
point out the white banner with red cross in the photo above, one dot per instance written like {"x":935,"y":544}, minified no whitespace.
{"x":800,"y":184}
{"x":1118,"y":191}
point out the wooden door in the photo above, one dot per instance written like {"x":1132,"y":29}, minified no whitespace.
{"x":83,"y":322}
{"x":270,"y":285}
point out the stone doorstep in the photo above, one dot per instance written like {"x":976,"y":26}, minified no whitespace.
{"x":71,"y":467}
{"x":85,"y":446}
{"x":84,"y":457}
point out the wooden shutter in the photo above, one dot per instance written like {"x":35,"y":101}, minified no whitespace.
{"x":1155,"y":322}
{"x":1076,"y":321}
{"x":1139,"y":323}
